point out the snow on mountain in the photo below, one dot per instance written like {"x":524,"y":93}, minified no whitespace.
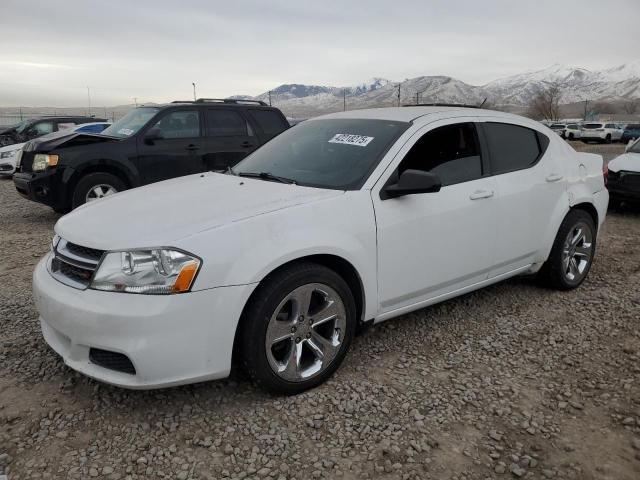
{"x":577,"y":84}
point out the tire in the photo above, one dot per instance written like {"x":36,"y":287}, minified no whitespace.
{"x":275,"y":330}
{"x":571,"y":136}
{"x":559,"y":273}
{"x":608,"y":138}
{"x":107,"y":182}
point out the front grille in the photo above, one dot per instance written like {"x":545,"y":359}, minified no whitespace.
{"x":74,"y":265}
{"x":111,"y":360}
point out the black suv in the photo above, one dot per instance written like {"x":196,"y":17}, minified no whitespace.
{"x":148,"y":144}
{"x":36,"y":127}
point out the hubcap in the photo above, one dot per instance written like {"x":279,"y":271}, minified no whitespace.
{"x":305,"y":332}
{"x":100,"y":191}
{"x":577,"y":252}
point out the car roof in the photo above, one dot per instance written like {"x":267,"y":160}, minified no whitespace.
{"x":412,"y":113}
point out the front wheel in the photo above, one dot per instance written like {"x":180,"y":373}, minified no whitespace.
{"x":572,"y":253}
{"x":608,"y":138}
{"x":297,"y":328}
{"x":95,"y":186}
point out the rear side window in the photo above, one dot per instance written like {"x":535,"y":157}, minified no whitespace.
{"x":511,"y":147}
{"x":224,"y":123}
{"x":592,"y":126}
{"x":271,"y":122}
{"x":451,"y":152}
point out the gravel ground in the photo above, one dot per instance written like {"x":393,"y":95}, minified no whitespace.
{"x":513,"y":381}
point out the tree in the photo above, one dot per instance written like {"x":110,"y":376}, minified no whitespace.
{"x":631,"y":106}
{"x":546,"y":104}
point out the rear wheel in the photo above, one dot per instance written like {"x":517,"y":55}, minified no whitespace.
{"x":95,"y":186}
{"x":572,"y":253}
{"x":297,"y":328}
{"x":571,"y":136}
{"x":608,"y":138}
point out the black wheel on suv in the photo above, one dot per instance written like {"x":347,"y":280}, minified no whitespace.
{"x":297,"y":328}
{"x":571,"y":136}
{"x":95,"y":186}
{"x":608,"y":139}
{"x":572,"y":253}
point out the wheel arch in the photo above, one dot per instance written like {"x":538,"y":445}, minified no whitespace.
{"x":125,"y":173}
{"x":590,"y":209}
{"x":338,"y":264}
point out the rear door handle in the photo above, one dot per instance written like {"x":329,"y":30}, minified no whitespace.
{"x":479,"y":194}
{"x":192,"y":147}
{"x":554,"y":177}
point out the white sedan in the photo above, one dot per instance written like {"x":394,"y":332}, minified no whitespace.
{"x":9,"y":156}
{"x":342,"y":220}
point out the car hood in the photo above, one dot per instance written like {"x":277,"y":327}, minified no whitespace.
{"x":627,"y":161}
{"x":9,"y":148}
{"x":163,"y":213}
{"x":63,"y":139}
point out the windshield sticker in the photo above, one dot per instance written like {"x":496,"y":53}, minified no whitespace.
{"x":125,"y":131}
{"x":349,"y":139}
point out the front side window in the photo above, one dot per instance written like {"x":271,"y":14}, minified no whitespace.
{"x":41,"y":128}
{"x":131,"y":123}
{"x":609,"y":125}
{"x":451,"y":152}
{"x":224,"y":123}
{"x":512,"y":147}
{"x":179,"y":124}
{"x":337,"y":153}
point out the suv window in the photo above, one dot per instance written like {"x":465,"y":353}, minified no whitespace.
{"x":609,"y":125}
{"x":269,"y":121}
{"x":179,"y":124}
{"x":224,"y":123}
{"x":592,"y":126}
{"x":573,"y":126}
{"x":512,"y":147}
{"x":451,"y":152}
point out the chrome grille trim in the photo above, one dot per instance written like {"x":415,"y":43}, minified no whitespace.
{"x":74,"y":265}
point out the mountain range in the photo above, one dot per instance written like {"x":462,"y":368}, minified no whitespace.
{"x":516,"y":91}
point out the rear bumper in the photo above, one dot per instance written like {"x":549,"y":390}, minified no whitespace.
{"x":46,"y":187}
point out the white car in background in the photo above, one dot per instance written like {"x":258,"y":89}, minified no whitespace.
{"x":10,"y":155}
{"x":344,"y":219}
{"x":600,"y":132}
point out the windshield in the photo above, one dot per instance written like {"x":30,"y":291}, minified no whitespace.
{"x":131,"y":122}
{"x":333,"y":153}
{"x":635,"y":148}
{"x":633,"y":127}
{"x":22,"y":125}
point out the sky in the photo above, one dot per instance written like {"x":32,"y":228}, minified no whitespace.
{"x":153,"y":51}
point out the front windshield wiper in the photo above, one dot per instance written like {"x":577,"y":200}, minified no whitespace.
{"x":266,"y":176}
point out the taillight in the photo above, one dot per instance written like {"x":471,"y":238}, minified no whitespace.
{"x":605,"y":172}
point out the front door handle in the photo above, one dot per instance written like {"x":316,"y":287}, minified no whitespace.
{"x":554,"y":177}
{"x":479,"y":194}
{"x":192,"y":147}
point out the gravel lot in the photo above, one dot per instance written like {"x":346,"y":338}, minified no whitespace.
{"x":512,"y":381}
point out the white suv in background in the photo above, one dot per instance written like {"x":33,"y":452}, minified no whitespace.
{"x":573,"y":131}
{"x":344,"y":219}
{"x":601,"y":132}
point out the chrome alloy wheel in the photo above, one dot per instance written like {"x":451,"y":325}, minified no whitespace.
{"x":305,"y":332}
{"x":577,"y":252}
{"x":99,"y":191}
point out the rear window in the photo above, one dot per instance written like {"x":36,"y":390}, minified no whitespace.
{"x":557,"y":126}
{"x":633,"y":127}
{"x":592,"y":126}
{"x":512,"y":147}
{"x":573,"y":126}
{"x":271,"y":122}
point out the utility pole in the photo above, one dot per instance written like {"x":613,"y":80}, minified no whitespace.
{"x":89,"y":99}
{"x":344,"y":100}
{"x":586,"y":102}
{"x":194,"y":91}
{"x":20,"y":113}
{"x":399,"y":93}
{"x":135,"y":100}
{"x":269,"y":97}
{"x":417,"y":98}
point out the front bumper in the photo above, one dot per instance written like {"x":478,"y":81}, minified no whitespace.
{"x":44,"y":187}
{"x":7,"y":168}
{"x":625,"y":188}
{"x":170,"y":340}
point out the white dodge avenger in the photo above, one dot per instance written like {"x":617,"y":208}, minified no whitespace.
{"x":341,"y":220}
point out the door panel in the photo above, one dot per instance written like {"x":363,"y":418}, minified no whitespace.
{"x":435,"y":243}
{"x":177,"y":153}
{"x":528,"y":197}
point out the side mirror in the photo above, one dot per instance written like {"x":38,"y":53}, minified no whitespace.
{"x":412,"y":182}
{"x":152,"y":135}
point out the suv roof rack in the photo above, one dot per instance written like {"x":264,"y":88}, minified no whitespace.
{"x":234,"y":101}
{"x":459,"y":105}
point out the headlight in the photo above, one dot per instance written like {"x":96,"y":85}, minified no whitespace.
{"x":42,"y":161}
{"x":9,"y":154}
{"x":153,"y":272}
